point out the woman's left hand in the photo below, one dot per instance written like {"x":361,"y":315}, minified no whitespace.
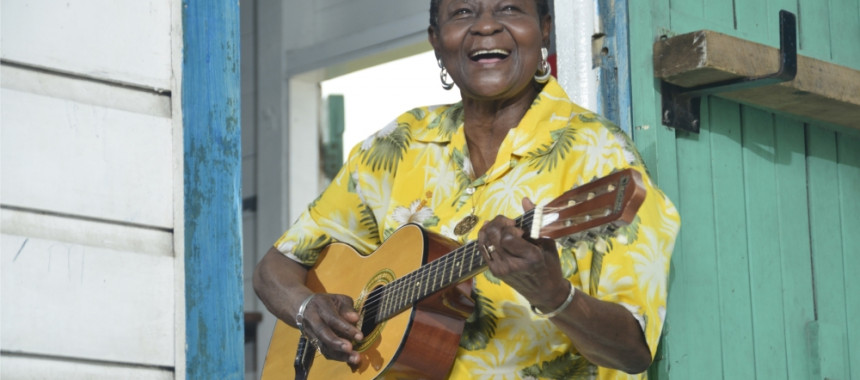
{"x":531,"y":267}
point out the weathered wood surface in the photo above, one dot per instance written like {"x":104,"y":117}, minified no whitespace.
{"x":87,"y":149}
{"x":822,"y":90}
{"x":37,"y":368}
{"x":118,"y":41}
{"x":72,"y":300}
{"x":212,"y":164}
{"x":768,"y":203}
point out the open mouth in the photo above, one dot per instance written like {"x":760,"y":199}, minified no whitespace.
{"x":491,"y":55}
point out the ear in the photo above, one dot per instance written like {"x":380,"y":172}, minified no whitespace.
{"x":546,"y":30}
{"x":432,"y":38}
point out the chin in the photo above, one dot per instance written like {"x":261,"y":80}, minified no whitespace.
{"x":498,"y":88}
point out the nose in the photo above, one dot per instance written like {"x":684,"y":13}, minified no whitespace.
{"x":486,"y":24}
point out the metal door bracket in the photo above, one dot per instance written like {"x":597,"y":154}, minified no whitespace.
{"x":681,"y":106}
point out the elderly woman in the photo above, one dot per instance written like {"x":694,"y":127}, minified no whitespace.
{"x":543,"y":310}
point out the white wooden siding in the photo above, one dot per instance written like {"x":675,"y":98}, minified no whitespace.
{"x":91,"y":273}
{"x":81,"y":301}
{"x":26,"y":368}
{"x":106,"y":154}
{"x":126,"y":41}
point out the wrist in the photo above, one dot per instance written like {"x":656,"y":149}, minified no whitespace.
{"x":300,"y":315}
{"x":571,"y":292}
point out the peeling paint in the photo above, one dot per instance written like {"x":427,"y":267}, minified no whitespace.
{"x":212,"y":177}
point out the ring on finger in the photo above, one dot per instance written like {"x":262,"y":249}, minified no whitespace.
{"x":490,"y":249}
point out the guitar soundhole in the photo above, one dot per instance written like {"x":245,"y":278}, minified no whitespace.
{"x":369,"y":314}
{"x":369,"y":323}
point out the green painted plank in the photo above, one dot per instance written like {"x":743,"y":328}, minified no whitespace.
{"x":648,"y":20}
{"x":684,"y":22}
{"x":814,"y":29}
{"x":693,"y":8}
{"x":731,"y":232}
{"x":753,"y":20}
{"x":645,"y":99}
{"x":845,"y":32}
{"x":722,"y":12}
{"x":696,"y":282}
{"x":793,"y":218}
{"x":762,"y":223}
{"x":827,"y":248}
{"x":773,"y":8}
{"x":849,"y":193}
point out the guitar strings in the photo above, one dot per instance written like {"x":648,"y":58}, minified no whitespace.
{"x":377,"y":297}
{"x":404,"y":291}
{"x":436,"y":266}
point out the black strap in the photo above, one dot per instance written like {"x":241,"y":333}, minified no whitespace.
{"x":304,"y":358}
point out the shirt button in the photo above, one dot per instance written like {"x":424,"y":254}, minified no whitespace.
{"x":470,"y":190}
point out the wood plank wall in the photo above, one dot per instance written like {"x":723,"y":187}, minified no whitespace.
{"x":89,"y":165}
{"x":763,"y":280}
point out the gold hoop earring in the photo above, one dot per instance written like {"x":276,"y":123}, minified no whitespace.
{"x":443,"y":76}
{"x":545,"y":70}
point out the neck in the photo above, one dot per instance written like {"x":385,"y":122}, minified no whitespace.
{"x":487,"y":122}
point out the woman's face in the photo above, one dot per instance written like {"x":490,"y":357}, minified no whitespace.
{"x":491,"y":48}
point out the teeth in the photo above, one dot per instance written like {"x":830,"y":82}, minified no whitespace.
{"x":492,"y":51}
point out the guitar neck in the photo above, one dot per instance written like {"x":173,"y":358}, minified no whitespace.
{"x":450,"y":269}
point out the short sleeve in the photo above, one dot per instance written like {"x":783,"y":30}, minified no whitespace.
{"x":341,"y":213}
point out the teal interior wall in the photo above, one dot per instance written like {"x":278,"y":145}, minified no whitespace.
{"x":763,"y":280}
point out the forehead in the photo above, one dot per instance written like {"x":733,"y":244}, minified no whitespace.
{"x":445,"y":3}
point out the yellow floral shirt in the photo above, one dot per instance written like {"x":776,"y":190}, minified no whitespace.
{"x":416,"y":170}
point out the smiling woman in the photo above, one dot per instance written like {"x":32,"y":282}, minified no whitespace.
{"x":460,"y":173}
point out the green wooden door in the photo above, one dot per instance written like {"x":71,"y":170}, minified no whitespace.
{"x":764,"y":280}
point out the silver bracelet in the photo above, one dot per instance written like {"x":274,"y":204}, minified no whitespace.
{"x":300,"y":315}
{"x":559,"y":309}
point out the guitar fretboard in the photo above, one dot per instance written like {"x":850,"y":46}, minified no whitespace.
{"x":450,"y":269}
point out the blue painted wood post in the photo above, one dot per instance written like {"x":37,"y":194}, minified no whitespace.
{"x":614,"y":96}
{"x":213,"y":199}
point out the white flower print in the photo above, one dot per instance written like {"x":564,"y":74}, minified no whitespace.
{"x":490,"y":365}
{"x":287,"y":247}
{"x":651,"y":262}
{"x":507,"y":194}
{"x":417,"y":212}
{"x":612,"y":284}
{"x":628,"y":153}
{"x":379,"y":134}
{"x":599,"y":150}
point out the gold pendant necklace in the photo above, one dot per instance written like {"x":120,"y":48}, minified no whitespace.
{"x":464,"y":226}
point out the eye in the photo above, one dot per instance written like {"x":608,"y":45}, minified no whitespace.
{"x":461,"y":12}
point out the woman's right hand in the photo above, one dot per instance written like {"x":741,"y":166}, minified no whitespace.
{"x":329,"y":320}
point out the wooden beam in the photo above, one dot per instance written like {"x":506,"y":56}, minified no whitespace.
{"x":212,"y":190}
{"x":821,"y":91}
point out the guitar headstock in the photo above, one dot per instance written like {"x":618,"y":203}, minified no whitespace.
{"x":609,"y":202}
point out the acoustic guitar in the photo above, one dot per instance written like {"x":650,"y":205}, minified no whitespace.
{"x":411,"y":292}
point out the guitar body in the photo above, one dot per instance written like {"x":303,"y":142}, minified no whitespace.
{"x":419,"y":342}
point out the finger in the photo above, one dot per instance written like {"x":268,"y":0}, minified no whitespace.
{"x":331,"y":332}
{"x":342,"y":318}
{"x":512,"y":242}
{"x":528,"y":204}
{"x":348,"y":313}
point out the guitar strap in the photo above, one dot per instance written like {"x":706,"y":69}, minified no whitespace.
{"x":304,"y":358}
